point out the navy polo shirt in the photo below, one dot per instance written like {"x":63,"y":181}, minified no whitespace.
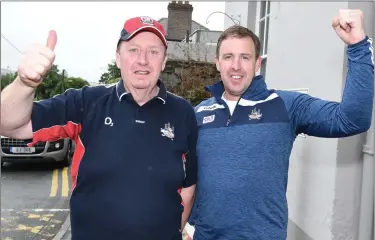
{"x":130,"y":161}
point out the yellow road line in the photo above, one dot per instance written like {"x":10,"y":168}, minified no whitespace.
{"x":54,"y":184}
{"x":65,"y":183}
{"x":34,"y":216}
{"x":22,"y":227}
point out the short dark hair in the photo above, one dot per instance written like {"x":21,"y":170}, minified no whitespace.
{"x":238,"y":31}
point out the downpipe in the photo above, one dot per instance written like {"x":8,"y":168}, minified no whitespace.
{"x":366,"y":218}
{"x":366,"y":222}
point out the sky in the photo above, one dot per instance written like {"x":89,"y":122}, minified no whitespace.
{"x":87,"y":32}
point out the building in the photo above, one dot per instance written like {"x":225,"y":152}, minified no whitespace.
{"x":179,"y":23}
{"x":331,"y":183}
{"x":209,"y":37}
{"x":194,"y":26}
{"x":180,"y":26}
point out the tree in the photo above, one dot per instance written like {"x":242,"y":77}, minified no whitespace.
{"x":194,"y":76}
{"x":53,"y":83}
{"x":114,"y":80}
{"x":6,"y":79}
{"x":113,"y":72}
{"x":67,"y":83}
{"x":104,"y":77}
{"x":49,"y":83}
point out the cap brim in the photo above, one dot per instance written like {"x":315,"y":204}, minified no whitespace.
{"x":146,"y":28}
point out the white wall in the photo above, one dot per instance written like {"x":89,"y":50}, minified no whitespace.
{"x":194,"y":51}
{"x":350,"y":162}
{"x":237,"y":10}
{"x":305,"y":52}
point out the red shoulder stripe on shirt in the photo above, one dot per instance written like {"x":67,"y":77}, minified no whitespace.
{"x":70,"y":130}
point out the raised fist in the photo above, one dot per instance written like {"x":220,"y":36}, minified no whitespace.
{"x":349,"y":25}
{"x":36,"y":62}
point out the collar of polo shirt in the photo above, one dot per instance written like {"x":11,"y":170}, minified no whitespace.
{"x":121,"y":91}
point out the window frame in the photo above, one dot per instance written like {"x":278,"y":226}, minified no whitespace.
{"x":263,"y":29}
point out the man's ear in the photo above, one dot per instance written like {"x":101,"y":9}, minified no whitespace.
{"x":258,"y":63}
{"x":217,"y":63}
{"x":118,"y":58}
{"x":164,"y":62}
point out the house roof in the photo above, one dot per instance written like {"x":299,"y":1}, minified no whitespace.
{"x":194,"y":25}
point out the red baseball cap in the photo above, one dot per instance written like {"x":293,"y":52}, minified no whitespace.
{"x":138,"y":24}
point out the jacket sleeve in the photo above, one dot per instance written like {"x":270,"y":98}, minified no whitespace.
{"x":58,"y":117}
{"x":321,"y":118}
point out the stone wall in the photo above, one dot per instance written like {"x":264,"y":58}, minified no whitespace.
{"x":176,"y":70}
{"x":193,"y":59}
{"x":205,"y":52}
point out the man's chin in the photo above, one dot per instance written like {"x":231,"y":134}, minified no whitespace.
{"x":236,"y":89}
{"x":140,"y":86}
{"x":141,"y":83}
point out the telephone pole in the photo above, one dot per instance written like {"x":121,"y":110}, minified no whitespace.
{"x":62,"y":81}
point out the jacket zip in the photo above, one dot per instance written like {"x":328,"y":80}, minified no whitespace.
{"x":230,"y":116}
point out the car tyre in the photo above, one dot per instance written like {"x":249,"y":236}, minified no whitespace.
{"x":69,"y":155}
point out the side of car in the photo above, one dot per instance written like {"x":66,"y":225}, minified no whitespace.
{"x":16,"y":150}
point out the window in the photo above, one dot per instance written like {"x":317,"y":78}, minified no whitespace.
{"x":263,"y":66}
{"x":264,"y":24}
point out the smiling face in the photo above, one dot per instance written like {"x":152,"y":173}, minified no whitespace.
{"x":141,"y":60}
{"x":237,"y":60}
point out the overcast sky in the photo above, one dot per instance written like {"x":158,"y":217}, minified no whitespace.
{"x":87,"y":31}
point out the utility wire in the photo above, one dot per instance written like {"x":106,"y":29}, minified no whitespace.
{"x":11,"y":44}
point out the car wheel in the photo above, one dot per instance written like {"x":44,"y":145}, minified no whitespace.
{"x":68,"y":157}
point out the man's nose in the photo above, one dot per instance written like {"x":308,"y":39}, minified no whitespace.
{"x":143,"y":58}
{"x":236,"y":64}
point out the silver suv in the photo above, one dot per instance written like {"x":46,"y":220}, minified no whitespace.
{"x":16,"y":150}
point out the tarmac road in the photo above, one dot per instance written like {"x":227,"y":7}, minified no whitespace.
{"x":34,"y":200}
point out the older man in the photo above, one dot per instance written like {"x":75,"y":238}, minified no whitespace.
{"x":134,"y":169}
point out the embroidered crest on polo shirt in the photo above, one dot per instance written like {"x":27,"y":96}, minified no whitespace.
{"x":255,"y":115}
{"x":167,"y":131}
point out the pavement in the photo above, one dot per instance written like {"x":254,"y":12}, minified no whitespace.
{"x":65,"y":232}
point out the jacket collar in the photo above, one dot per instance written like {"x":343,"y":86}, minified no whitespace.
{"x":256,"y":91}
{"x":121,"y":91}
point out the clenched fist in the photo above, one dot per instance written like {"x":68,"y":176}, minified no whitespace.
{"x":36,"y":62}
{"x":349,"y":25}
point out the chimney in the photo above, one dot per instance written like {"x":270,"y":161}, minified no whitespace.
{"x":179,"y":20}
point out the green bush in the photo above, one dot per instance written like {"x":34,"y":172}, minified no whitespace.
{"x":194,"y":76}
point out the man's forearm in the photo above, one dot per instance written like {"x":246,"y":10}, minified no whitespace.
{"x":186,"y":213}
{"x":187,"y":195}
{"x":16,"y":107}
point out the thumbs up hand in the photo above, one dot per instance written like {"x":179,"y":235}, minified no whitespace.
{"x":36,"y":62}
{"x":348,"y":25}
